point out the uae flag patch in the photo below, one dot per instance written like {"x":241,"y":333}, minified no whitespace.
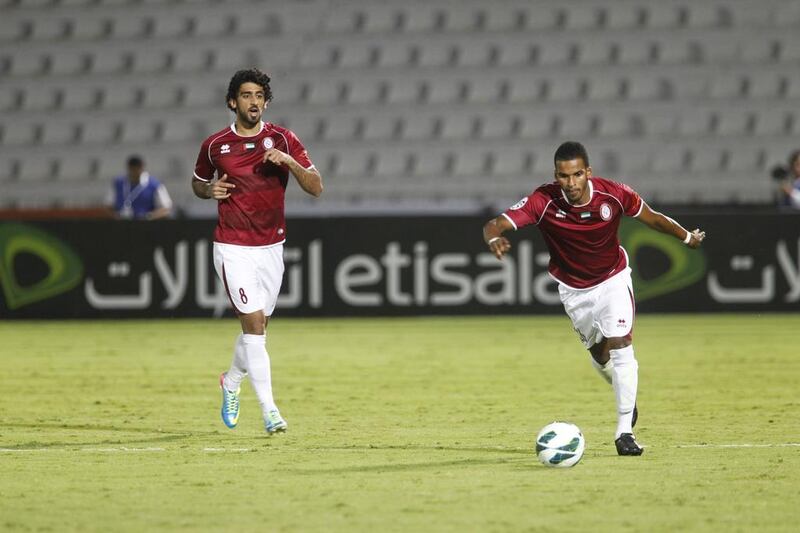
{"x":249,"y":146}
{"x":586,"y":214}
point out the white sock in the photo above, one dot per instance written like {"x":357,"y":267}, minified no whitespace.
{"x":605,"y":371}
{"x":238,"y":370}
{"x":625,"y":372}
{"x":258,"y":370}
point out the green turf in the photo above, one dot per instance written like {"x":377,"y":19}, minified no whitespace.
{"x":422,"y":424}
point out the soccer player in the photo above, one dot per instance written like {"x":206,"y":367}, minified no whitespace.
{"x":578,"y":216}
{"x":252,"y":161}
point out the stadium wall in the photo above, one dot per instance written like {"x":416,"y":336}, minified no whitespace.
{"x":383,"y":266}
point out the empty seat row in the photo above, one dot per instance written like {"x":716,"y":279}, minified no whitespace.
{"x":535,"y":49}
{"x":164,"y":23}
{"x":468,"y":125}
{"x":477,"y":16}
{"x":144,"y":58}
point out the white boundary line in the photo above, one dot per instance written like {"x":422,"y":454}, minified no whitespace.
{"x":124,"y":449}
{"x":781,"y":445}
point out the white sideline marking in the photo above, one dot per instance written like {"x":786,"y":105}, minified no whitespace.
{"x":781,"y":445}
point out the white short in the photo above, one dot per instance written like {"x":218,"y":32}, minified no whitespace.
{"x":606,"y":310}
{"x":251,"y":275}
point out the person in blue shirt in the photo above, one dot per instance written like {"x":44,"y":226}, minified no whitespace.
{"x":790,"y":184}
{"x":138,"y":195}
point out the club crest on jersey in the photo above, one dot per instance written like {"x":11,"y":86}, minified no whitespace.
{"x":520,"y":204}
{"x":605,"y":211}
{"x":268,"y":143}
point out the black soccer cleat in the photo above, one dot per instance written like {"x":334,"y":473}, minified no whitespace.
{"x":626,"y":445}
{"x":635,"y":416}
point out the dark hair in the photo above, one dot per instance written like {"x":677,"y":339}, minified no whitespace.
{"x":793,"y":157}
{"x":571,"y":150}
{"x":252,"y":75}
{"x":135,"y":161}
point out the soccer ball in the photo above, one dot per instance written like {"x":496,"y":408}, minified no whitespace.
{"x":560,"y":444}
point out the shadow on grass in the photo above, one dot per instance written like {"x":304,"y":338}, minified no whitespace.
{"x":403,"y":467}
{"x":162,"y":436}
{"x":515,"y":459}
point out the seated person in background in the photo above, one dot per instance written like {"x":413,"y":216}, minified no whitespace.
{"x":789,"y":184}
{"x":138,"y":195}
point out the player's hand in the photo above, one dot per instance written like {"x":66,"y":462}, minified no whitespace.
{"x":697,"y":238}
{"x":499,"y":247}
{"x":273,"y":155}
{"x":221,"y":189}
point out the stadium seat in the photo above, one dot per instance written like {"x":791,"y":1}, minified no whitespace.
{"x":381,"y":127}
{"x":306,"y":127}
{"x":418,"y":127}
{"x":622,"y":16}
{"x":537,"y":123}
{"x":35,"y":169}
{"x":392,"y":163}
{"x":497,"y":126}
{"x":20,"y":133}
{"x":364,"y":91}
{"x":459,"y":126}
{"x":88,"y":26}
{"x":433,"y":163}
{"x":670,"y":159}
{"x":510,"y":162}
{"x":211,"y":24}
{"x":471,"y":162}
{"x":99,"y":132}
{"x":137,"y":129}
{"x":59,"y":132}
{"x":74,"y":169}
{"x":734,"y":121}
{"x":129,"y":26}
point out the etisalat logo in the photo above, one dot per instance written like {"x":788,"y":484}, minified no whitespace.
{"x":686,"y":266}
{"x":64,"y":267}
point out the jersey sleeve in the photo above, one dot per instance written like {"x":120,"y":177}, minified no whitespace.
{"x":631,"y":201}
{"x":525,"y":212}
{"x":204,"y":169}
{"x":297,"y":150}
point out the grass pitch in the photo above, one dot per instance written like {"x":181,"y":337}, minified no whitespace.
{"x":422,"y":424}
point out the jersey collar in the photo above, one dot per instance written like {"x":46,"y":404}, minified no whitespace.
{"x":233,"y":129}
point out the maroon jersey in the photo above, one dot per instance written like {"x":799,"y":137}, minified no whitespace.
{"x":582,"y":239}
{"x":253,"y":215}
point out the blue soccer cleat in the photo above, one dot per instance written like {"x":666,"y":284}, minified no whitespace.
{"x":274,"y":422}
{"x":230,"y":404}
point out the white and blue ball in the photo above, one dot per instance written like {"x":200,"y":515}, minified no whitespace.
{"x":560,"y":445}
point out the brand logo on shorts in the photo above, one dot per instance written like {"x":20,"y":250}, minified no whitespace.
{"x":621,"y":323}
{"x":268,"y":143}
{"x":520,"y":204}
{"x":605,"y":211}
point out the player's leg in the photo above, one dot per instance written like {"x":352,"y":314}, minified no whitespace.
{"x":601,"y":361}
{"x":614,"y":317}
{"x":230,"y":384}
{"x":258,"y":362}
{"x":237,"y":267}
{"x":270,"y":274}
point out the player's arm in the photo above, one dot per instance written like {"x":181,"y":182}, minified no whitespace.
{"x":493,"y":235}
{"x":309,"y":179}
{"x":665,"y":224}
{"x":218,"y":190}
